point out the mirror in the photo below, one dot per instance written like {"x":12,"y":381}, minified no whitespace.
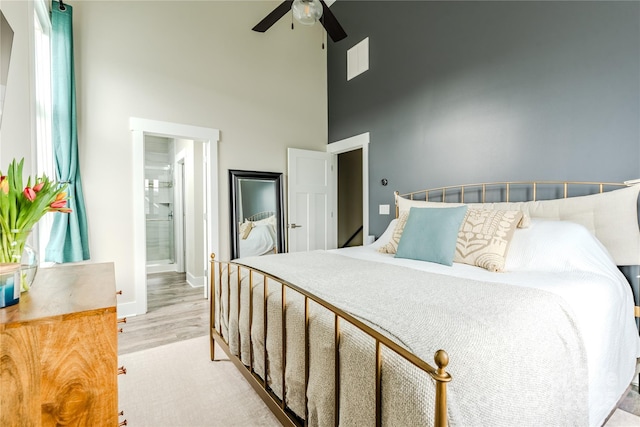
{"x":257,"y":218}
{"x":6,"y":42}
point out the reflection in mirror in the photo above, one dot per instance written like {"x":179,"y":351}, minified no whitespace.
{"x":257,"y":219}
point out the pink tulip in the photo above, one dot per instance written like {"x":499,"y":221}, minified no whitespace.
{"x":38,"y":187}
{"x":58,"y":204}
{"x":29,"y":194}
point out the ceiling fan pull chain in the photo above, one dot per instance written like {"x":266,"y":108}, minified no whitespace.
{"x":292,"y":19}
{"x":322,"y":31}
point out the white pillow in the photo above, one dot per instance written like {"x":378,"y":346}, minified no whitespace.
{"x":555,"y":246}
{"x":266,"y":221}
{"x":386,"y":236}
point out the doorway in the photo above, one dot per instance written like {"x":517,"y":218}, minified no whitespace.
{"x":351,"y":189}
{"x":205,"y":200}
{"x":313,"y":195}
{"x":350,"y":228}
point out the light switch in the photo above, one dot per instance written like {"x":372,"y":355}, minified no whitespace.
{"x":384,"y":209}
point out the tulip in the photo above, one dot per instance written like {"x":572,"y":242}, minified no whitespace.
{"x":63,"y":210}
{"x":4,"y":184}
{"x":58,"y":204}
{"x":29,"y":194}
{"x":61,"y":196}
{"x":38,"y":187}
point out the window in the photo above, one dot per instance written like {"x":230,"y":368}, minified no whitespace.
{"x":44,"y":145}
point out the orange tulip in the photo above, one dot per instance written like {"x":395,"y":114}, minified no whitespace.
{"x":4,"y":184}
{"x":63,"y":210}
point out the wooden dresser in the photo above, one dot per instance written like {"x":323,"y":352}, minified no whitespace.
{"x":59,"y":350}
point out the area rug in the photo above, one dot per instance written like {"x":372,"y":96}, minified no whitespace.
{"x":177,"y":385}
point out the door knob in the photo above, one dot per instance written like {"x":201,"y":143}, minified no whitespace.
{"x":294,"y":226}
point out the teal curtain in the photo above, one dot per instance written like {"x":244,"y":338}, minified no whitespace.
{"x":69,"y":240}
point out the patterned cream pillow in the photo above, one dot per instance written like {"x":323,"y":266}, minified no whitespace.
{"x":245,"y":229}
{"x":406,"y":204}
{"x":484,"y":237}
{"x":392,"y":246}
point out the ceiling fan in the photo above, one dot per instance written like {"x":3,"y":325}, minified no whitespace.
{"x":306,"y":12}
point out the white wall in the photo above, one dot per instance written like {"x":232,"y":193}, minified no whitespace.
{"x":195,"y":63}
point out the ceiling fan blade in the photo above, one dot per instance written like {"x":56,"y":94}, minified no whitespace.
{"x":274,"y":16}
{"x":331,"y":24}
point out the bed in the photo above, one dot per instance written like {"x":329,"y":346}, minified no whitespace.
{"x":257,"y":234}
{"x":516,"y":328}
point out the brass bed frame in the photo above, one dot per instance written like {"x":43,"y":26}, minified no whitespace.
{"x":276,"y":404}
{"x":260,"y":215}
{"x":506,"y":187}
{"x":219,"y":269}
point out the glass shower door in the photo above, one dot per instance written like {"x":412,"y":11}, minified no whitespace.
{"x":159,"y":213}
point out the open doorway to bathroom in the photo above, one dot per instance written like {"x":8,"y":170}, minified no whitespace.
{"x":174,"y":190}
{"x":207,"y":139}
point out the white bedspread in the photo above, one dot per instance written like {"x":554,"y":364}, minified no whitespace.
{"x":518,"y":352}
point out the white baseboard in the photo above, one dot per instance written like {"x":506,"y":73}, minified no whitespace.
{"x":162,"y":268}
{"x":128,"y":309}
{"x":196,"y":282}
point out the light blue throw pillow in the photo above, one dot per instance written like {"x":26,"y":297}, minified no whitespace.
{"x":430,"y":234}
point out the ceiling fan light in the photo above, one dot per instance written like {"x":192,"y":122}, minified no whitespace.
{"x":307,"y":12}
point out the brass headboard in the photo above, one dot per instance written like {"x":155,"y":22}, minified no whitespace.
{"x":260,"y":215}
{"x":482,"y":189}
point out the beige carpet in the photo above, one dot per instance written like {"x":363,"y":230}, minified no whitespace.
{"x":177,"y":385}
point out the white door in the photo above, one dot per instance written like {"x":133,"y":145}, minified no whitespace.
{"x":310,"y":203}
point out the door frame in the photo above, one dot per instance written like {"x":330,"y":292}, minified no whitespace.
{"x":356,"y":142}
{"x":179,"y":204}
{"x":210,"y":137}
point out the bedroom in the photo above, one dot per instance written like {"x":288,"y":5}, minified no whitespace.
{"x":209,"y":70}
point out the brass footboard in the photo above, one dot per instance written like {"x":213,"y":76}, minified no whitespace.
{"x":221,"y":275}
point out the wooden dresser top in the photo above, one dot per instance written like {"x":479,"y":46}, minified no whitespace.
{"x":64,"y":290}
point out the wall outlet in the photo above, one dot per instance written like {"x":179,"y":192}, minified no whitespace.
{"x":383,"y":209}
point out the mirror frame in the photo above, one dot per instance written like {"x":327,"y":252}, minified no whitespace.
{"x":234,"y":184}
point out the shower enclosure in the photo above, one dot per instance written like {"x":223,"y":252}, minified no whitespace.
{"x":159,"y":204}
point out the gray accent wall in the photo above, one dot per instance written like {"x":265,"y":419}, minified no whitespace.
{"x":460,"y":92}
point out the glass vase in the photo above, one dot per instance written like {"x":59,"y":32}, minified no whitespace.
{"x":28,"y":267}
{"x":13,"y":247}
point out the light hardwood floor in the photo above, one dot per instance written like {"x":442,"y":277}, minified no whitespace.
{"x":175,"y":312}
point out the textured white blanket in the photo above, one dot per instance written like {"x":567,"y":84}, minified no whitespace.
{"x":516,"y":354}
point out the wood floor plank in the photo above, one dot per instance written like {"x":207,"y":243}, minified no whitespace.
{"x":176,"y":311}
